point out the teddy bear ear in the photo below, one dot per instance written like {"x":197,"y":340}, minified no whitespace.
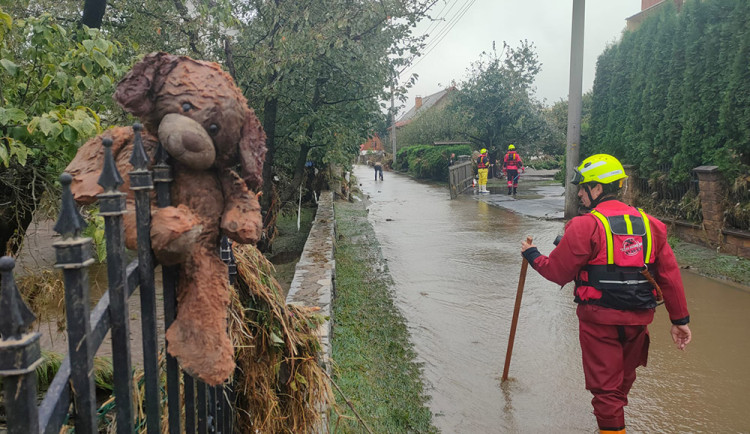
{"x":252,"y":151}
{"x":136,"y":91}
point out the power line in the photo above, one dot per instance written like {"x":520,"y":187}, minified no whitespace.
{"x":440,"y":17}
{"x":442,"y":33}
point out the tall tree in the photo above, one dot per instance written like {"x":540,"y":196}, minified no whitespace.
{"x":317,"y":70}
{"x":497,"y":98}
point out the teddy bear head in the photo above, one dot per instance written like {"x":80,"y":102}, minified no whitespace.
{"x":198,"y":113}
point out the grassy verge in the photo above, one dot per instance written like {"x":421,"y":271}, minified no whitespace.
{"x":708,"y":262}
{"x":374,"y":360}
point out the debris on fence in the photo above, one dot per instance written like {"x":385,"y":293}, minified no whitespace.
{"x":279,"y":383}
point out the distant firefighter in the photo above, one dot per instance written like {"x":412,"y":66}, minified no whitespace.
{"x":511,"y":163}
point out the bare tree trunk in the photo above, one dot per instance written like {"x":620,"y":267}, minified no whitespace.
{"x":229,"y":58}
{"x":299,"y":166}
{"x":299,"y":170}
{"x":270,"y":110}
{"x":192,"y":35}
{"x":93,"y":13}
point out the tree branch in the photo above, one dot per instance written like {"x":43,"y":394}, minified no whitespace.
{"x":192,"y":36}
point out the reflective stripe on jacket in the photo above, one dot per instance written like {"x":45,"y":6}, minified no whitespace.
{"x":615,"y":271}
{"x":483,"y":161}
{"x":583,"y":240}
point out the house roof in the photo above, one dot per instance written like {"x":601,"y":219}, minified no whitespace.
{"x":372,"y":144}
{"x":427,"y":102}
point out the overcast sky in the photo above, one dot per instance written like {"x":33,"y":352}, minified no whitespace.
{"x":546,"y":23}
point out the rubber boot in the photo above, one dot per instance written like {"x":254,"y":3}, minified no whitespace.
{"x":510,"y":190}
{"x":514,"y":191}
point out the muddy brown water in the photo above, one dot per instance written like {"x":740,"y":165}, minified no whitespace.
{"x":455,"y":266}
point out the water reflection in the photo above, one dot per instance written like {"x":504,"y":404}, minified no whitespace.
{"x":456,"y":265}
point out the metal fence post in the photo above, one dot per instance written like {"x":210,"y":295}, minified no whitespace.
{"x":224,"y":406}
{"x":162,"y":183}
{"x":202,"y":402}
{"x":141,"y":183}
{"x":19,"y":355}
{"x":112,"y":208}
{"x":73,"y":257}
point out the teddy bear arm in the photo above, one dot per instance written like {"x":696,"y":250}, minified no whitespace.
{"x":174,"y":232}
{"x":241,"y":220}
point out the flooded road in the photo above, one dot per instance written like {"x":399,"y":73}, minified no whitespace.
{"x":455,"y":266}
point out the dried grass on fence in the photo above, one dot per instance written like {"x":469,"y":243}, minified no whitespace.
{"x":280,"y":384}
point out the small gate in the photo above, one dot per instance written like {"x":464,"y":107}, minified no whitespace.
{"x":71,"y":394}
{"x":460,"y":176}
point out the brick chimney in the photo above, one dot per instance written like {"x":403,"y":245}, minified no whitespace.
{"x":417,"y":102}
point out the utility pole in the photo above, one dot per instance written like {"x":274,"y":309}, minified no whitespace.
{"x":393,"y":123}
{"x":574,"y":107}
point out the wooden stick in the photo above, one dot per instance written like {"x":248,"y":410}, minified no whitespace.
{"x":349,"y":403}
{"x":516,"y":309}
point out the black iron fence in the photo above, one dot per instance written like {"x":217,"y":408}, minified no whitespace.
{"x":661,"y":196}
{"x":71,"y":396}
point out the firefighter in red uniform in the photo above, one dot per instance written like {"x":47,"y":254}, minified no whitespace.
{"x":511,"y":163}
{"x":623,"y":268}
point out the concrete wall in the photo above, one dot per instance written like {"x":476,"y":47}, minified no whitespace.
{"x":314,"y":277}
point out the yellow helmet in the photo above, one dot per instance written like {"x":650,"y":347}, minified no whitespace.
{"x":601,"y":168}
{"x":483,"y":151}
{"x":511,"y":147}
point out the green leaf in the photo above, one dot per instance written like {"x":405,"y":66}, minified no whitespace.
{"x":49,"y":127}
{"x":9,"y":66}
{"x":4,"y":154}
{"x":61,"y":78}
{"x":103,"y":45}
{"x":47,"y":80}
{"x":11,"y":115}
{"x":276,"y":339}
{"x":88,"y":44}
{"x":102,"y":60}
{"x":62,"y":31}
{"x":88,"y":82}
{"x":20,"y":151}
{"x":300,"y":378}
{"x":68,"y":133}
{"x":7,"y":20}
{"x":31,"y":128}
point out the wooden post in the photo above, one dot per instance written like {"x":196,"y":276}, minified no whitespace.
{"x":516,"y":309}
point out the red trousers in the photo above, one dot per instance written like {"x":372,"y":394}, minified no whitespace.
{"x":611,"y":353}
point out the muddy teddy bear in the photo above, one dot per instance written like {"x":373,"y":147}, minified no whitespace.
{"x":201,"y":118}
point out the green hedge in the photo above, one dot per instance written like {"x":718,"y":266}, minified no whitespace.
{"x":428,"y":161}
{"x":675,"y":93}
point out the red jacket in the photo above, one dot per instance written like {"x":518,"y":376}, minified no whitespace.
{"x":512,"y":161}
{"x":582,"y":244}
